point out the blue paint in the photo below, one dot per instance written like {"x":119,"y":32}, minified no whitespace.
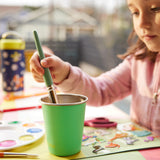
{"x":34,"y":130}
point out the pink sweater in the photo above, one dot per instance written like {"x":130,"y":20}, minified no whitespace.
{"x":139,"y":78}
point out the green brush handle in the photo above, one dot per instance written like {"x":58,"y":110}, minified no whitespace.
{"x":47,"y":75}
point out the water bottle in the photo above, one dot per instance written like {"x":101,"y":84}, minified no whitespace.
{"x":12,"y":63}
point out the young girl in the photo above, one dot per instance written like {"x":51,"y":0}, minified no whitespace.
{"x":138,"y":75}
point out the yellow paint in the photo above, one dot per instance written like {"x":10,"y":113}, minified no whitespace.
{"x":26,"y":138}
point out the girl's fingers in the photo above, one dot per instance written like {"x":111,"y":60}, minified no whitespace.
{"x":35,"y":65}
{"x":58,"y":68}
{"x":36,"y":76}
{"x":50,"y":61}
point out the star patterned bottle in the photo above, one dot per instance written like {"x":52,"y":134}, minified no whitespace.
{"x":12,"y":63}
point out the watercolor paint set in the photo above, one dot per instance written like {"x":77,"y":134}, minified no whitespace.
{"x":15,"y":134}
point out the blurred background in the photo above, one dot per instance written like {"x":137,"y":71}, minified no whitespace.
{"x":86,"y":33}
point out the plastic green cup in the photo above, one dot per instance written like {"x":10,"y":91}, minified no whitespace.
{"x":64,"y":123}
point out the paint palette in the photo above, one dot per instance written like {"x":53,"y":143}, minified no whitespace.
{"x":14,"y":134}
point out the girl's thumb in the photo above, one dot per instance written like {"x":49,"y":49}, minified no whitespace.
{"x":44,"y":62}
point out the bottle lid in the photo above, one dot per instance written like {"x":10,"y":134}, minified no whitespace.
{"x":12,"y":40}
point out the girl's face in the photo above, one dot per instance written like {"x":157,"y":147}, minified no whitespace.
{"x":146,"y":21}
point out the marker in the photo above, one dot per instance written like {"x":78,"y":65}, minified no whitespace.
{"x":13,"y":97}
{"x":19,"y":109}
{"x":17,"y":155}
{"x":47,"y":75}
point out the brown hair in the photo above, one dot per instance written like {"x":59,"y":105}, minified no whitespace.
{"x":135,"y":44}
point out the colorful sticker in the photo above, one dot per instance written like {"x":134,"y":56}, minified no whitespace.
{"x":142,"y":133}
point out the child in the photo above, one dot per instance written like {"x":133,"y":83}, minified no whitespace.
{"x":138,"y":75}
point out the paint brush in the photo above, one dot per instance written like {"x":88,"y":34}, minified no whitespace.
{"x":17,"y":155}
{"x":47,"y":75}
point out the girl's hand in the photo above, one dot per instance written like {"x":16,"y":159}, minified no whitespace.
{"x":58,"y":68}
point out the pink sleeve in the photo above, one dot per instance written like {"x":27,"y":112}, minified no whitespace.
{"x":102,"y":90}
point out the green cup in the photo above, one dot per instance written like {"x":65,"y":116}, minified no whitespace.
{"x":64,"y":123}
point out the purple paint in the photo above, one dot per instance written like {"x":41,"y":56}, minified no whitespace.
{"x":149,"y":138}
